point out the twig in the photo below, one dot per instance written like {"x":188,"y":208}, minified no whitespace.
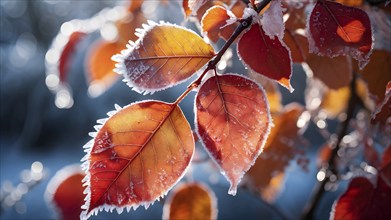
{"x":319,"y":189}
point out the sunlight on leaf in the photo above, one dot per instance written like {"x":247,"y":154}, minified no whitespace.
{"x":335,"y":29}
{"x":164,"y":56}
{"x":138,"y":154}
{"x":191,"y":201}
{"x":269,"y":57}
{"x":233,"y":122}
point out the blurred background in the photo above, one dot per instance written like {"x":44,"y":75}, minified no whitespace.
{"x":37,"y":138}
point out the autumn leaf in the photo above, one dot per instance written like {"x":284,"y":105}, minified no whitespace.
{"x":214,"y":23}
{"x":335,"y":29}
{"x":377,"y":73}
{"x":363,"y":200}
{"x":67,"y":52}
{"x":135,"y":5}
{"x":127,"y":25}
{"x":138,"y":154}
{"x":191,"y":6}
{"x":328,"y":69}
{"x":99,"y":65}
{"x":269,"y":57}
{"x":297,"y":44}
{"x":163,"y":56}
{"x":277,"y":154}
{"x":273,"y":94}
{"x":191,"y":201}
{"x":65,"y":192}
{"x":233,"y":122}
{"x":353,"y":3}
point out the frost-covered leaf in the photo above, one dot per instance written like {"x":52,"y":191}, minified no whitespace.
{"x":272,"y":20}
{"x":99,"y":66}
{"x":191,"y":201}
{"x":382,"y":112}
{"x":328,"y":69}
{"x":269,"y":57}
{"x":65,"y":192}
{"x":214,"y":23}
{"x":163,"y":56}
{"x":363,"y":201}
{"x":278,"y":152}
{"x":233,"y":122}
{"x":67,"y":52}
{"x":138,"y":154}
{"x":377,"y":73}
{"x":335,"y":29}
{"x":191,"y":6}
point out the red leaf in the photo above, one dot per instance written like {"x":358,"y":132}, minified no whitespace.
{"x":214,"y":23}
{"x":269,"y":57}
{"x":139,"y":153}
{"x":66,"y":53}
{"x":297,"y":44}
{"x":335,"y":29}
{"x":363,"y":201}
{"x":191,"y":201}
{"x":233,"y":121}
{"x":65,"y":191}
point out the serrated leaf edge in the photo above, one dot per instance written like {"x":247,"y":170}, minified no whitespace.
{"x":86,"y":180}
{"x":120,"y":67}
{"x":232,"y":190}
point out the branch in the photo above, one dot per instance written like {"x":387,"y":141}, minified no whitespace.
{"x":244,"y":24}
{"x":319,"y":189}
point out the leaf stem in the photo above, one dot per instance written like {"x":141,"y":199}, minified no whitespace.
{"x":319,"y":189}
{"x":244,"y":24}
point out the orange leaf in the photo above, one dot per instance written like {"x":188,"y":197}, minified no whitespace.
{"x":191,"y":201}
{"x":269,"y":57}
{"x":135,"y":5}
{"x":127,"y":25}
{"x":139,"y":153}
{"x":213,"y":23}
{"x":100,"y":66}
{"x":354,"y":3}
{"x":328,"y":69}
{"x":335,"y":29}
{"x":278,"y":151}
{"x":163,"y":56}
{"x":65,"y":191}
{"x":377,"y":73}
{"x":233,"y":121}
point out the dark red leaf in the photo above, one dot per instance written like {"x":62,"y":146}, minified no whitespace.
{"x":362,"y":201}
{"x":269,"y":57}
{"x":233,"y":121}
{"x":66,"y":53}
{"x":335,"y":29}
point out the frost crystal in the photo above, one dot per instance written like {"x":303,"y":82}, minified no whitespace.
{"x":272,"y":20}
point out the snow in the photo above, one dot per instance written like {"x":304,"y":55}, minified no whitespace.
{"x":272,"y":20}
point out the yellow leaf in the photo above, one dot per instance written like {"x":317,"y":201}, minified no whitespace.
{"x":163,"y":56}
